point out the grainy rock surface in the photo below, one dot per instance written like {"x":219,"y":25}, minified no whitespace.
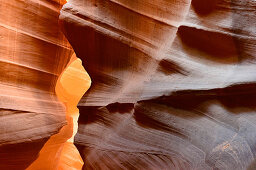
{"x":173,"y":82}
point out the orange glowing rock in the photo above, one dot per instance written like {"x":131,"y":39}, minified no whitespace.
{"x":59,"y":152}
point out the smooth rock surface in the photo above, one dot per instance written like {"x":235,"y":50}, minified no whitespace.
{"x":173,"y":83}
{"x":33,"y":52}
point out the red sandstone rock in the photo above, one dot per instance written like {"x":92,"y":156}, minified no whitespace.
{"x":173,"y":82}
{"x":33,"y":52}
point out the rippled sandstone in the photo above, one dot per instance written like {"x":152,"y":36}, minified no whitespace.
{"x":173,"y":84}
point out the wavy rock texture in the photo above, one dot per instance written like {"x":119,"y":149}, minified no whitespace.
{"x":33,"y":53}
{"x":173,"y":83}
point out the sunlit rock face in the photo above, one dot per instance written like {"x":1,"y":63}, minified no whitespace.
{"x":33,"y":53}
{"x":173,"y":83}
{"x":59,"y":152}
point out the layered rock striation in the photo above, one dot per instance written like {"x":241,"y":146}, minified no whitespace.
{"x":173,"y":83}
{"x":33,"y":53}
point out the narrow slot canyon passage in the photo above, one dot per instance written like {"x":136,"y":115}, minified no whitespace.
{"x":59,"y":152}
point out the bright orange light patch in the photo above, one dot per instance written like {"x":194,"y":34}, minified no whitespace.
{"x":59,"y":152}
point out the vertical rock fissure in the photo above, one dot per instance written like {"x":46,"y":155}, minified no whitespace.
{"x":59,"y":152}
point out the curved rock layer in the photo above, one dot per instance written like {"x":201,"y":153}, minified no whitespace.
{"x":33,"y":53}
{"x":173,"y":82}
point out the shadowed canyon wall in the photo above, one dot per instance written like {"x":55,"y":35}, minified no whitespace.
{"x":174,"y":84}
